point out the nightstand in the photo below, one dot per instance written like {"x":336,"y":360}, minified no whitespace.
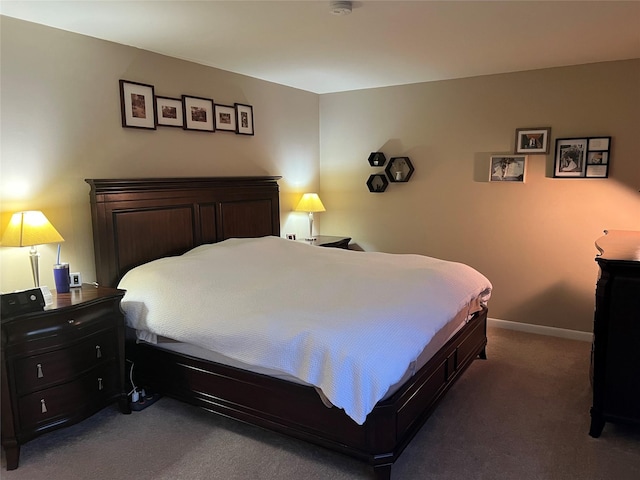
{"x":329,"y":241}
{"x":61,"y":365}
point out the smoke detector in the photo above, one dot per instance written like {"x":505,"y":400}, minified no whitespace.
{"x":340,"y":7}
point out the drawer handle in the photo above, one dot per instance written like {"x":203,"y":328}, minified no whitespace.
{"x":43,"y":406}
{"x":39,"y":370}
{"x":98,"y":352}
{"x":100,"y":387}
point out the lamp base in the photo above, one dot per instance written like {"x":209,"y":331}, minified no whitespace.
{"x":35,"y":270}
{"x":310,"y":237}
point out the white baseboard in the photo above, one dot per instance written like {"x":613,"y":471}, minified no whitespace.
{"x":541,"y":329}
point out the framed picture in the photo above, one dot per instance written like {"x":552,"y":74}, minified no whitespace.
{"x":598,"y":152}
{"x":570,"y":160}
{"x":169,"y":112}
{"x":533,"y":140}
{"x":244,"y":116}
{"x":225,"y":118}
{"x":587,"y":157}
{"x":508,"y":168}
{"x":137,"y":105}
{"x":198,"y":113}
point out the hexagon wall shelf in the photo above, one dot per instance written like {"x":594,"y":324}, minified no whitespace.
{"x":399,"y":169}
{"x":377,"y":159}
{"x":377,"y":183}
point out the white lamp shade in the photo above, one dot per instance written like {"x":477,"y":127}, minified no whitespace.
{"x":30,"y":228}
{"x":310,"y":202}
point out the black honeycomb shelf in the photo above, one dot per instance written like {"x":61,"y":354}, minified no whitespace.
{"x":399,"y":169}
{"x":377,"y":183}
{"x":377,"y":159}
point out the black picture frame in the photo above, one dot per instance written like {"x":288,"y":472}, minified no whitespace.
{"x":598,"y":157}
{"x":225,"y":116}
{"x":244,"y":119}
{"x":198,"y":113}
{"x":137,"y":105}
{"x":169,"y":112}
{"x":582,"y":157}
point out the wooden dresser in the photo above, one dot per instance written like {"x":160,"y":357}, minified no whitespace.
{"x":616,"y":342}
{"x":61,"y":365}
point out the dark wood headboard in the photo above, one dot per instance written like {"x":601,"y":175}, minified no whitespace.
{"x":139,"y":220}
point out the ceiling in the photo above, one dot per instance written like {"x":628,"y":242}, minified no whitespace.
{"x":381,"y":43}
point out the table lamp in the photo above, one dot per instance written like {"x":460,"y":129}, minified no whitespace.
{"x":310,"y":202}
{"x":29,"y":229}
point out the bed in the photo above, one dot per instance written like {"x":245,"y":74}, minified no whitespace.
{"x":137,"y":221}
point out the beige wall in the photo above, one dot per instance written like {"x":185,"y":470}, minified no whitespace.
{"x":60,"y":113}
{"x":534,"y":241}
{"x":60,"y":124}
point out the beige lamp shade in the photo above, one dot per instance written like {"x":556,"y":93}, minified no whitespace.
{"x":310,"y":202}
{"x":30,"y":228}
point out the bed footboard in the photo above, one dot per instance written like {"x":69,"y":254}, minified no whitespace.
{"x":297,"y":411}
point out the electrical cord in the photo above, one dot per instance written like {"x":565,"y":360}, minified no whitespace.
{"x":134,"y":392}
{"x":139,"y":397}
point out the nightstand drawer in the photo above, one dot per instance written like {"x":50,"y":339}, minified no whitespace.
{"x":65,"y":400}
{"x":51,"y":329}
{"x":48,"y":369}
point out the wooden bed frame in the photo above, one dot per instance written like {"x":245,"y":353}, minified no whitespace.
{"x":138,"y":220}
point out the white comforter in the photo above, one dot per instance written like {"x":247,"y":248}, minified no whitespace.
{"x":349,"y":323}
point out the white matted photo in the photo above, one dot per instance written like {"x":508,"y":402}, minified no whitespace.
{"x":597,"y":171}
{"x":137,"y":105}
{"x":244,"y":116}
{"x":599,"y":143}
{"x":198,"y":113}
{"x":169,"y":112}
{"x":598,"y":157}
{"x":571,"y":157}
{"x":225,"y":118}
{"x":508,"y":168}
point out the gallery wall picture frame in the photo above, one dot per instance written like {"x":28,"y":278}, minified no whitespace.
{"x":169,"y":112}
{"x":198,"y":113}
{"x":137,"y":105}
{"x":508,"y":168}
{"x":598,"y":157}
{"x":533,"y":140}
{"x":570,"y":157}
{"x":225,"y":116}
{"x":244,"y":119}
{"x":583,"y":157}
